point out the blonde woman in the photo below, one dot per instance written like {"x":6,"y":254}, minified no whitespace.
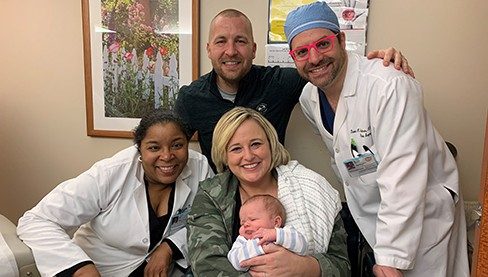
{"x":251,"y":161}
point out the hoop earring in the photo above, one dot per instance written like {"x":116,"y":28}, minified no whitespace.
{"x":139,"y":159}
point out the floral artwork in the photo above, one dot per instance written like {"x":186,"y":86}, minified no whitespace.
{"x":137,"y":53}
{"x":140,"y":56}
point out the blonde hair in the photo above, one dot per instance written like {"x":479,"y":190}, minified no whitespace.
{"x":227,"y":126}
{"x":271,"y":205}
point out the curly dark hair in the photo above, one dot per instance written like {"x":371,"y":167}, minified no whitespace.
{"x":158,"y":116}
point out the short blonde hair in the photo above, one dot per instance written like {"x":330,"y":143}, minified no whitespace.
{"x":227,"y":126}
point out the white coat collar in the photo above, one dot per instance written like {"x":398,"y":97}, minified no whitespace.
{"x":352,"y":75}
{"x":140,"y":192}
{"x":182,"y":189}
{"x":348,"y":90}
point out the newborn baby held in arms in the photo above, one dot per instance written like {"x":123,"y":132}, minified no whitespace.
{"x":262,"y":221}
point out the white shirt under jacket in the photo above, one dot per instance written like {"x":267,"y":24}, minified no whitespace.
{"x":403,"y":209}
{"x":109,"y":203}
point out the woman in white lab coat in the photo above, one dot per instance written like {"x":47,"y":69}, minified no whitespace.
{"x":130,"y":209}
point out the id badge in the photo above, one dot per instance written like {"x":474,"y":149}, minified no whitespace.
{"x":361,"y":165}
{"x":178,"y":221}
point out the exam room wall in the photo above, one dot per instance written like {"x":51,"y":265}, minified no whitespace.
{"x":42,"y":106}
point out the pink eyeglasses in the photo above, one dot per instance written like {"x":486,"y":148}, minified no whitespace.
{"x":322,"y":46}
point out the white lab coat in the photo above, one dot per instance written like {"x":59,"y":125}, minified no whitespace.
{"x":405,"y":209}
{"x":109,"y":203}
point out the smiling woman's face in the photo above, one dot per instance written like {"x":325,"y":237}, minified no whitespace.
{"x":164,"y":153}
{"x":249,"y":153}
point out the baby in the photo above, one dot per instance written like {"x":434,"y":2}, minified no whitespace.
{"x":262,"y":220}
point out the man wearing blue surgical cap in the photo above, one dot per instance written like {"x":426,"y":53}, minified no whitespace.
{"x":400,"y":180}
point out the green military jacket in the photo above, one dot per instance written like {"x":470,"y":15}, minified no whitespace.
{"x":210,"y":224}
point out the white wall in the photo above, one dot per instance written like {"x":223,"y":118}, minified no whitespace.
{"x":42,"y":106}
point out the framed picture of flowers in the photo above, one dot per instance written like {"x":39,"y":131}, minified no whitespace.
{"x":137,"y":53}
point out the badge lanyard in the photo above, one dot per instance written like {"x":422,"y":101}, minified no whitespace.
{"x":360,"y":164}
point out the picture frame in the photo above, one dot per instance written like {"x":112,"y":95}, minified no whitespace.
{"x":137,"y":54}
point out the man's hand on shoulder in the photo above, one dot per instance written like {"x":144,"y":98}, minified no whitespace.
{"x":392,"y":55}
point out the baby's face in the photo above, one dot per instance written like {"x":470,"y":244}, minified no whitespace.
{"x":254,"y":216}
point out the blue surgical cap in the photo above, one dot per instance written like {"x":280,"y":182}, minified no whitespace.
{"x":314,"y":15}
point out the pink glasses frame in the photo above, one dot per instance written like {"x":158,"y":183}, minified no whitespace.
{"x":314,"y":46}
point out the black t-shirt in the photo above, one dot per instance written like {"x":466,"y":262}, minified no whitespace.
{"x":156,"y":230}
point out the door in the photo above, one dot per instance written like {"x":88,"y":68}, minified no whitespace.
{"x":480,"y":254}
